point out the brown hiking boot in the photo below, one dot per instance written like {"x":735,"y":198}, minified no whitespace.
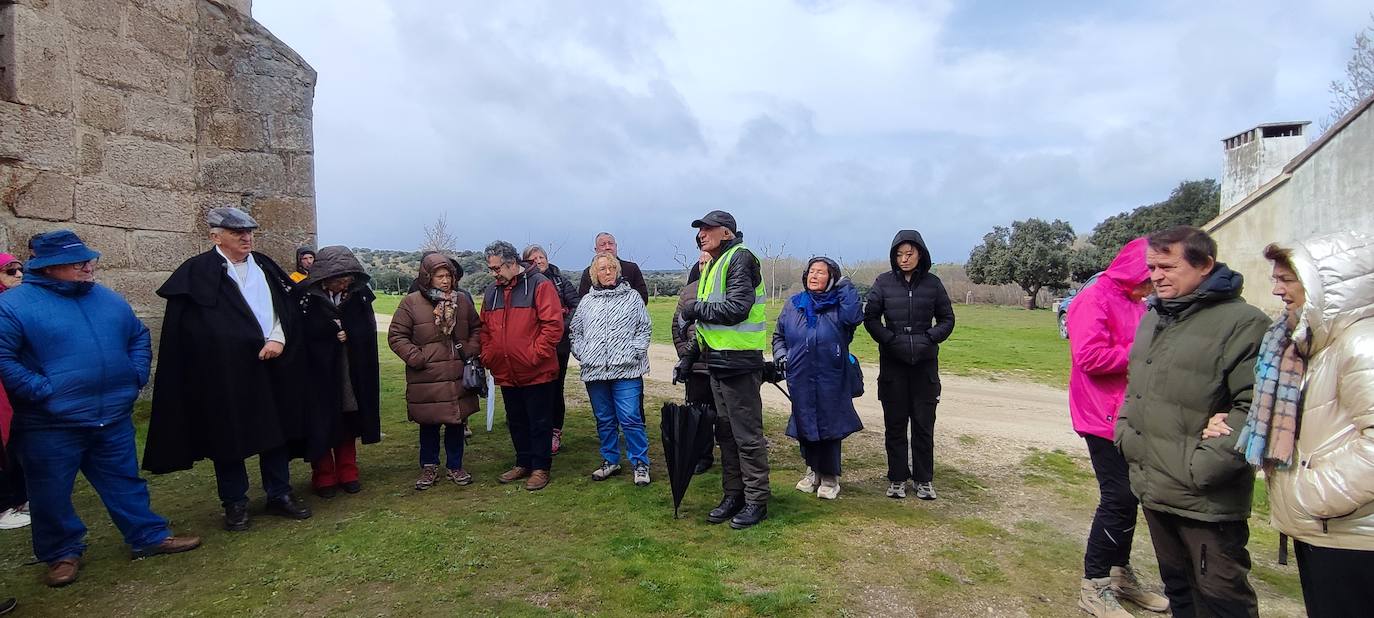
{"x":512,"y":475}
{"x":62,"y":572}
{"x":1098,"y":598}
{"x":428,"y":474}
{"x":1128,"y":588}
{"x":538,"y":480}
{"x":169,"y":545}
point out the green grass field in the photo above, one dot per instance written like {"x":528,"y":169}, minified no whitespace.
{"x":585,"y":548}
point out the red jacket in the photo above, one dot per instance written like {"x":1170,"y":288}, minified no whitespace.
{"x":521,"y":325}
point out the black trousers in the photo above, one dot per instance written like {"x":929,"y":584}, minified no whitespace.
{"x":739,"y":431}
{"x":823,"y":456}
{"x":231,"y":477}
{"x":1204,"y":565}
{"x":909,"y":394}
{"x":13,"y":490}
{"x":529,"y":414}
{"x":698,"y":388}
{"x":1335,"y":582}
{"x":1113,"y":528}
{"x":560,"y":406}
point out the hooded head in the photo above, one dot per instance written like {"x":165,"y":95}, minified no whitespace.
{"x":831,"y":266}
{"x":1128,"y":269}
{"x":302,"y":267}
{"x":333,"y":261}
{"x":1335,"y":272}
{"x":913,"y":238}
{"x":432,"y":262}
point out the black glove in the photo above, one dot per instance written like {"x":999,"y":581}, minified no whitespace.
{"x":770,"y":373}
{"x":689,"y":313}
{"x":780,"y":364}
{"x":682,"y":370}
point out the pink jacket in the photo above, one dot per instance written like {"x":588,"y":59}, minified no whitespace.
{"x":1102,"y":321}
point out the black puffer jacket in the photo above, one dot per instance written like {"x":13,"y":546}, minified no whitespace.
{"x":908,"y":319}
{"x":567,"y":294}
{"x":741,"y":280}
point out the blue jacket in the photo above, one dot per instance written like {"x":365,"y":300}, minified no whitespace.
{"x":71,"y":355}
{"x":817,"y":372}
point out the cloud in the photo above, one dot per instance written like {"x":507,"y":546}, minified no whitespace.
{"x":825,"y":124}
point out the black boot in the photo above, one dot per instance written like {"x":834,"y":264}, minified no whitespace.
{"x":288,"y":506}
{"x":703,"y":466}
{"x":236,"y":516}
{"x":729,"y":505}
{"x":751,"y":514}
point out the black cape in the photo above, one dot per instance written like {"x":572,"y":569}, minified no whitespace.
{"x":212,"y":397}
{"x":327,"y":424}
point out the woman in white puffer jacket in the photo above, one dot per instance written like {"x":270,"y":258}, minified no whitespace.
{"x":1311,"y":426}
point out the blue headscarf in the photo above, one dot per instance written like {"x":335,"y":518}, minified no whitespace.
{"x":812,"y":303}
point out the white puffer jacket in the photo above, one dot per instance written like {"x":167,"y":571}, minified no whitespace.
{"x":1326,"y":498}
{"x":610,"y":334}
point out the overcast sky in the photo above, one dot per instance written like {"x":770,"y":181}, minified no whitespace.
{"x":823,"y":124}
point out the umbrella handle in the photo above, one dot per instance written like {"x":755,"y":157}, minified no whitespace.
{"x":783,"y":391}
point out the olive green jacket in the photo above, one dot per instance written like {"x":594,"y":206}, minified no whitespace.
{"x":1193,"y":357}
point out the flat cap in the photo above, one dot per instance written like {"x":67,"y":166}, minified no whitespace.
{"x":230,"y":218}
{"x":717,"y":218}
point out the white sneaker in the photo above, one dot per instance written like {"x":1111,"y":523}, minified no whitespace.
{"x":896,"y":490}
{"x":829,"y":488}
{"x":607,"y":470}
{"x":642,"y":475}
{"x":14,"y":518}
{"x":925,"y":491}
{"x":808,"y":482}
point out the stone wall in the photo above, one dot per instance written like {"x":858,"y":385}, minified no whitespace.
{"x":126,"y":120}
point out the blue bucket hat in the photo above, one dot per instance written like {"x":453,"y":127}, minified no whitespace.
{"x":58,"y":247}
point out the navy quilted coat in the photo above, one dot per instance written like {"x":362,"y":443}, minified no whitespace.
{"x":817,"y":376}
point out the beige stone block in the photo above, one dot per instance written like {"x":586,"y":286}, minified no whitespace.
{"x":235,"y":131}
{"x":91,"y":158}
{"x":139,"y":287}
{"x":157,"y":118}
{"x":38,"y":72}
{"x":284,"y":214}
{"x":164,"y":251}
{"x":37,"y":195}
{"x":112,"y":243}
{"x":134,"y":207}
{"x":281,"y":245}
{"x":179,"y":84}
{"x":300,"y":175}
{"x":178,"y":11}
{"x":247,"y":172}
{"x":102,"y":15}
{"x":267,"y":93}
{"x":292,"y":132}
{"x":39,"y":139}
{"x":146,"y":163}
{"x":154,"y":32}
{"x":118,"y":62}
{"x":209,"y":88}
{"x":101,"y":107}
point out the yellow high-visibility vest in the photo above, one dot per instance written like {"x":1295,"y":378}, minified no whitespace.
{"x":747,"y":335}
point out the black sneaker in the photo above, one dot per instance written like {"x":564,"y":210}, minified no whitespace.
{"x":236,"y":516}
{"x":748,"y":516}
{"x":352,"y":487}
{"x":728,"y":507}
{"x":327,"y":492}
{"x":288,"y":506}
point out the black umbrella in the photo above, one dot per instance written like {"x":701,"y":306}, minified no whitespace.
{"x":686,"y":429}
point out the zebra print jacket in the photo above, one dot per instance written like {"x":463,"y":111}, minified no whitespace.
{"x":610,"y":334}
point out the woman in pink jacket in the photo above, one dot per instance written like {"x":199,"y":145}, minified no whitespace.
{"x":1102,"y":321}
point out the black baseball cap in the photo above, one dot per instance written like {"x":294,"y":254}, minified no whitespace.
{"x":717,"y":218}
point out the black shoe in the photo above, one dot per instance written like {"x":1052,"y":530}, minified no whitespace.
{"x":8,"y":606}
{"x":327,"y":492}
{"x":236,"y":516}
{"x":750,"y":515}
{"x":352,"y":487}
{"x":703,"y":466}
{"x":729,"y":505}
{"x":288,"y":506}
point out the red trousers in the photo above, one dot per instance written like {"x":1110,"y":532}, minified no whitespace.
{"x":339,"y":465}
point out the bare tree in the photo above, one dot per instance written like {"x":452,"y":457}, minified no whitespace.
{"x":438,"y":238}
{"x":772,"y":258}
{"x":1359,"y":77}
{"x":681,"y":257}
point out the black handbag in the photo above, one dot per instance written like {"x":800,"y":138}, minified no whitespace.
{"x":855,"y":374}
{"x":474,"y":374}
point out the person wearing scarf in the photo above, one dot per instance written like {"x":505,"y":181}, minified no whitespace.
{"x":811,"y":347}
{"x":435,"y":331}
{"x":1311,"y":423}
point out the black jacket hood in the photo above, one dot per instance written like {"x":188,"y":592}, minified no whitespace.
{"x":913,"y":237}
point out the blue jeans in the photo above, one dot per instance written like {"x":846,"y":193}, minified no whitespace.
{"x":453,"y":445}
{"x":108,"y":457}
{"x":616,"y":406}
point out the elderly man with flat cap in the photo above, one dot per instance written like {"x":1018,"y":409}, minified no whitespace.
{"x":227,"y":371}
{"x":731,"y":335}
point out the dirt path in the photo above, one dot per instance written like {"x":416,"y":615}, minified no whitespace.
{"x":1019,"y":413}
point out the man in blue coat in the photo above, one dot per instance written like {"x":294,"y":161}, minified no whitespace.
{"x":73,"y":357}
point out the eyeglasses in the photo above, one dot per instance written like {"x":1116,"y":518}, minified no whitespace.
{"x":84,"y":265}
{"x":496,"y":269}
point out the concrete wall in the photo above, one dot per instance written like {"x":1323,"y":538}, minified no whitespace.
{"x":1331,"y":191}
{"x":126,"y":120}
{"x":1255,"y":162}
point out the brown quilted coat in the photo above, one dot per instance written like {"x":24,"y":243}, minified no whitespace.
{"x":434,"y":365}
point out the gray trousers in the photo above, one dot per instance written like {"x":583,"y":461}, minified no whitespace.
{"x":739,"y":430}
